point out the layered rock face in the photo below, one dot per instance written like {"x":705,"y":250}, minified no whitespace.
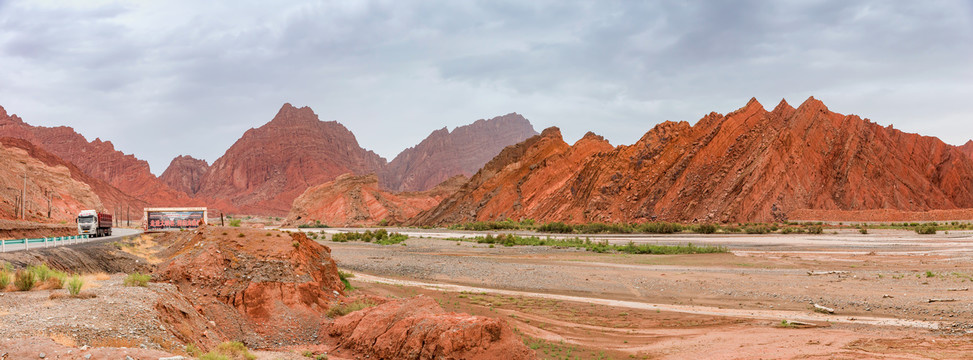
{"x":270,"y":166}
{"x":749,"y":165}
{"x":70,"y":190}
{"x":353,"y":200}
{"x":185,"y":173}
{"x":445,"y":154}
{"x":98,"y":159}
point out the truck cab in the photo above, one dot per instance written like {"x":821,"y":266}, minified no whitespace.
{"x":94,"y":224}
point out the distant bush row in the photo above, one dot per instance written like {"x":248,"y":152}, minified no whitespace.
{"x":380,"y":236}
{"x":595,"y":246}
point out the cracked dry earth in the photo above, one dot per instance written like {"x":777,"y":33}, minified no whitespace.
{"x":703,"y":306}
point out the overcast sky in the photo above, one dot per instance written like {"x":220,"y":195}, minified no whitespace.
{"x":165,"y":78}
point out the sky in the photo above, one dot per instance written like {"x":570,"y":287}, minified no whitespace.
{"x":165,"y":78}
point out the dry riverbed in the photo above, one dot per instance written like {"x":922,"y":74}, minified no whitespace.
{"x":570,"y":303}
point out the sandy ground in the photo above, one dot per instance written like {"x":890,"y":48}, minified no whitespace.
{"x":701,"y":306}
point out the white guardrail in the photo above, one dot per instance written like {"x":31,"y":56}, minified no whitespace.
{"x":27,"y":244}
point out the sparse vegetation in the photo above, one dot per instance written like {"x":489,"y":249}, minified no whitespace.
{"x":347,"y":308}
{"x":137,"y":279}
{"x":600,"y":247}
{"x":231,"y":350}
{"x":316,"y":225}
{"x":235,"y":222}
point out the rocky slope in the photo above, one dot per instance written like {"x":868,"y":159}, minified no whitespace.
{"x":444,"y":154}
{"x":749,"y":165}
{"x":98,"y":159}
{"x":185,"y":173}
{"x":70,"y":189}
{"x":353,"y":200}
{"x":264,"y":171}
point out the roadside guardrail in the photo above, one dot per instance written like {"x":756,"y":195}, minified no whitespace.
{"x":27,"y":244}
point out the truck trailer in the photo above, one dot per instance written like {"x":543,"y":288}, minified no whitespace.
{"x":94,"y":224}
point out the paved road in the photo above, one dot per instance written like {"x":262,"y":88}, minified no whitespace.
{"x":117,"y":233}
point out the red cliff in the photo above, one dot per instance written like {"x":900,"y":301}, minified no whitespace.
{"x":185,"y":173}
{"x":445,"y":154}
{"x":749,"y":165}
{"x":98,"y":159}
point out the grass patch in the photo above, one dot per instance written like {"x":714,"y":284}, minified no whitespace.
{"x":231,"y":350}
{"x":347,"y":308}
{"x":24,"y":280}
{"x":137,"y":279}
{"x":316,"y":225}
{"x":344,"y":276}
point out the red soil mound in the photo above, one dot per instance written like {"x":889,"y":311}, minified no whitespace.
{"x":417,"y":328}
{"x":260,"y":287}
{"x":352,"y":200}
{"x":749,"y":165}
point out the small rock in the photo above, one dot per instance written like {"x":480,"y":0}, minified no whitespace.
{"x":42,"y":355}
{"x":87,"y":356}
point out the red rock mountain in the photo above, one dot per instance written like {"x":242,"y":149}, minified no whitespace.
{"x":70,"y":190}
{"x":185,"y":173}
{"x":445,"y":154}
{"x":967,"y":148}
{"x":98,"y":159}
{"x":357,"y":200}
{"x":749,"y":165}
{"x":267,"y":168}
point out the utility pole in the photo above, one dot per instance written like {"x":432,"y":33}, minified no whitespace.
{"x":23,"y":194}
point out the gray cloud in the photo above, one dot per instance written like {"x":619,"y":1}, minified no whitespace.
{"x":179,"y":77}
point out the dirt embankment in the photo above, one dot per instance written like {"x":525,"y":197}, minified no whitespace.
{"x":11,"y":229}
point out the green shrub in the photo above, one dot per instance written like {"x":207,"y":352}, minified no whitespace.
{"x":815,"y":229}
{"x":137,"y":279}
{"x":928,"y":229}
{"x":74,"y":285}
{"x":24,"y":280}
{"x":706,"y":228}
{"x":556,"y":227}
{"x":756,"y":229}
{"x":235,"y":222}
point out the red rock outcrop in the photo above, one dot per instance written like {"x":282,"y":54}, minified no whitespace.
{"x":70,"y":189}
{"x":418,"y":328}
{"x":352,"y":200}
{"x":185,"y":173}
{"x":258,"y":286}
{"x":270,"y":166}
{"x":749,"y":165}
{"x":445,"y":154}
{"x":98,"y":159}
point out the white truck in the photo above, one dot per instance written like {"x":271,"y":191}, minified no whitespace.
{"x":94,"y":224}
